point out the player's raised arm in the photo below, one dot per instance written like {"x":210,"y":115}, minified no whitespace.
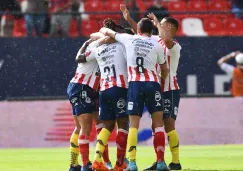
{"x":128,"y":17}
{"x":226,"y":58}
{"x":164,"y":31}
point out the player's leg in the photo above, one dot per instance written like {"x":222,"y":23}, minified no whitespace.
{"x":106,"y":115}
{"x":135,"y":105}
{"x":74,"y":148}
{"x":82,"y":100}
{"x":155,"y":106}
{"x":122,"y":124}
{"x":99,"y":126}
{"x":171,"y":104}
{"x":85,"y":120}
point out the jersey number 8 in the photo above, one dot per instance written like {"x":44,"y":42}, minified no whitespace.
{"x":139,"y":62}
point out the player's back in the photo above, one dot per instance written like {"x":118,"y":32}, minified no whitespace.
{"x":87,"y":73}
{"x":143,"y":56}
{"x":111,"y":59}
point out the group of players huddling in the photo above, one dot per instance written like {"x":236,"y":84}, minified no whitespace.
{"x":130,"y":71}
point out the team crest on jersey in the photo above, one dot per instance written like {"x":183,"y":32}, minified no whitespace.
{"x":121,"y":104}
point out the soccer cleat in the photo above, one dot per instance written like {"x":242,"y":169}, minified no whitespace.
{"x":96,"y":166}
{"x":87,"y":167}
{"x":109,"y":166}
{"x":126,"y":161}
{"x":77,"y":168}
{"x":120,"y":168}
{"x":153,"y":167}
{"x":161,"y":166}
{"x":174,"y":166}
{"x":132,"y":166}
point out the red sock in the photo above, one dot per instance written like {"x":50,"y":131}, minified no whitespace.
{"x":83,"y":142}
{"x":106,"y":152}
{"x":154,"y":143}
{"x":159,"y":143}
{"x":121,"y":143}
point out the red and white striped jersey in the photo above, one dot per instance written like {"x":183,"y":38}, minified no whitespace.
{"x":112,"y":63}
{"x":172,"y":57}
{"x":88,"y":73}
{"x":143,"y":56}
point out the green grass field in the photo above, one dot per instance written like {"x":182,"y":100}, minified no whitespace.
{"x":227,"y":157}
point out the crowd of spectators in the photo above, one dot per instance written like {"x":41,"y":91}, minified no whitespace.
{"x":53,"y":17}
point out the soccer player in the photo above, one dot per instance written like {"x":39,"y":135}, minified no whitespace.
{"x":169,"y":86}
{"x":82,"y":94}
{"x":235,"y":71}
{"x":111,"y":59}
{"x":144,"y":55}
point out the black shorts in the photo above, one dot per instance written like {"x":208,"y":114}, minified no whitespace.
{"x":171,"y":100}
{"x":83,"y":98}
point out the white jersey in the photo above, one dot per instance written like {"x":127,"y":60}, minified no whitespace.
{"x":143,"y":56}
{"x":88,"y":73}
{"x":112,"y":63}
{"x":172,"y":57}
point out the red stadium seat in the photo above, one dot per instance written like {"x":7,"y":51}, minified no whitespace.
{"x":177,"y":6}
{"x":179,"y":31}
{"x":94,"y":6}
{"x":213,"y":26}
{"x":233,"y":26}
{"x":88,"y":27}
{"x":73,"y":29}
{"x":19,"y":28}
{"x":196,"y":6}
{"x":143,"y":5}
{"x":218,"y":6}
{"x":113,"y":6}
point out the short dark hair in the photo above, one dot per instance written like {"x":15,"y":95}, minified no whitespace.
{"x":172,"y":21}
{"x":145,"y":25}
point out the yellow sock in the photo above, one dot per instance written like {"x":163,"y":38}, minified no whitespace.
{"x":174,"y":145}
{"x":101,"y":143}
{"x":74,"y":150}
{"x":132,"y":143}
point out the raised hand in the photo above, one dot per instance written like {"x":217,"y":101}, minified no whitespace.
{"x":152,"y":17}
{"x":125,"y":11}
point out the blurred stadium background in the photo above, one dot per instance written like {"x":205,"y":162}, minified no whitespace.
{"x":35,"y":72}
